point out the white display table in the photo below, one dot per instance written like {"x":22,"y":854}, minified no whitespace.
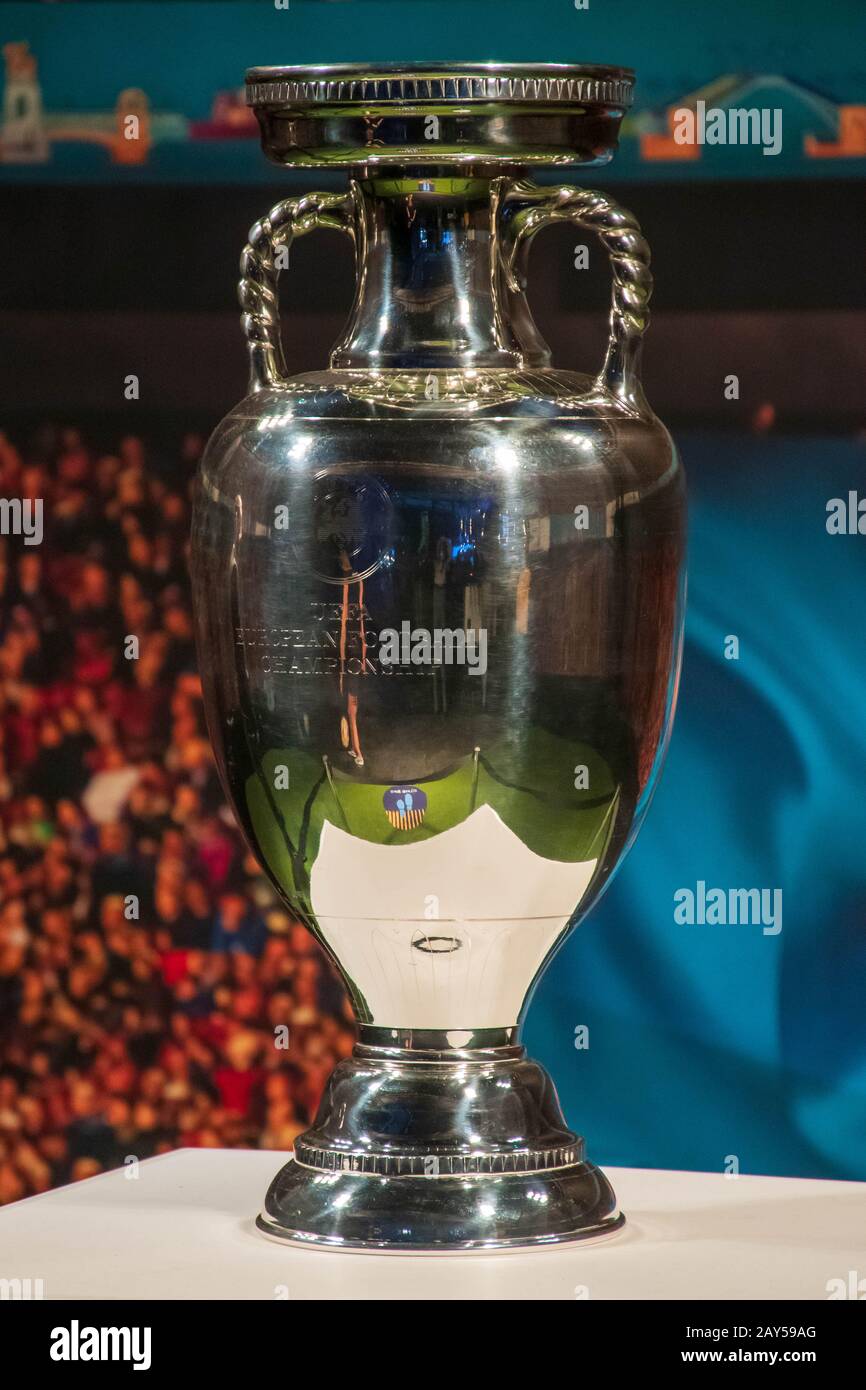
{"x":184,"y":1229}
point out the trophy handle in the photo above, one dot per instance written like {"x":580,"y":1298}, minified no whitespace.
{"x":524,"y":208}
{"x":262,"y":259}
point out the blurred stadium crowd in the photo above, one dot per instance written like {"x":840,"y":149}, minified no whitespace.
{"x":146,"y":967}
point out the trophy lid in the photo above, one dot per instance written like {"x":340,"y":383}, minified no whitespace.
{"x":488,"y":114}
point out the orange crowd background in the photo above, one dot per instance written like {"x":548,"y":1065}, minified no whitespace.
{"x":149,"y":976}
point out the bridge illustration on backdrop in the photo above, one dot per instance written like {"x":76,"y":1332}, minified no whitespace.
{"x":817,"y":127}
{"x":28,"y":132}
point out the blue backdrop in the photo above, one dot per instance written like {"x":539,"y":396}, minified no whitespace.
{"x":709,"y":1041}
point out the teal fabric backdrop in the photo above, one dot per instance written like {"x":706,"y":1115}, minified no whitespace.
{"x":181,"y":54}
{"x":709,"y":1041}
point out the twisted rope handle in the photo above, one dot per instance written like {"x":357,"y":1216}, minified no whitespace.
{"x":261,"y":263}
{"x":526,"y":208}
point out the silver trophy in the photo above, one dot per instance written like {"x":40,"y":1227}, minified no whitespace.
{"x":439,"y":602}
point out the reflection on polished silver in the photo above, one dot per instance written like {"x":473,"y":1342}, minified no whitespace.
{"x":439,"y":605}
{"x":505,"y":115}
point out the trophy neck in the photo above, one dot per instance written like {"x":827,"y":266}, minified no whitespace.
{"x":431,"y":290}
{"x":438,"y":1044}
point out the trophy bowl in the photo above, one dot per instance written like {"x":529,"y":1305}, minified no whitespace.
{"x":439,"y":604}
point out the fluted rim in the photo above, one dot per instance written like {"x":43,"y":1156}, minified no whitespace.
{"x":441,"y":83}
{"x":394,"y":1165}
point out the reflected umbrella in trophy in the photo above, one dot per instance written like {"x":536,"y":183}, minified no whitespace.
{"x":439,"y":606}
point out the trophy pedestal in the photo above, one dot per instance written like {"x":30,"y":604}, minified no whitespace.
{"x":437,"y":1149}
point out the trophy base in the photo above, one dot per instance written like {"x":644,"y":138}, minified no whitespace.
{"x":433,"y":1150}
{"x":350,"y":1211}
